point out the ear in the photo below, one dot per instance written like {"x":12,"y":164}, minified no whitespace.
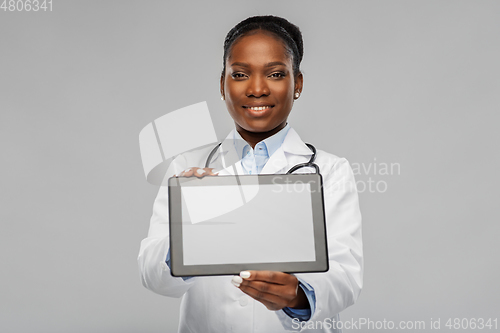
{"x":222,"y":80}
{"x":299,"y":82}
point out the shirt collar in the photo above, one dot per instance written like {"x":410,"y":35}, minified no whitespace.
{"x":272,"y":143}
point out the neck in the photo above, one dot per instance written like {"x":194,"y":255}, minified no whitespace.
{"x":252,"y":138}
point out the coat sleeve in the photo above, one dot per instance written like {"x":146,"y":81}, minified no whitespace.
{"x":340,"y":286}
{"x":155,"y":274}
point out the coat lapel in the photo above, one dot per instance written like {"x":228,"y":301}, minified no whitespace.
{"x":292,"y":151}
{"x":277,"y":163}
{"x":225,"y":161}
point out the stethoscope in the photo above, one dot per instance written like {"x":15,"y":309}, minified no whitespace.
{"x":294,"y":168}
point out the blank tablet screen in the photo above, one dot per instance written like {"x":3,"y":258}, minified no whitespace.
{"x":266,"y":228}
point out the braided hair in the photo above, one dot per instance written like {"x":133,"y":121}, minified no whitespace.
{"x":289,"y":33}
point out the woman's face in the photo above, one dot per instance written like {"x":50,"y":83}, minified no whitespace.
{"x":258,"y":85}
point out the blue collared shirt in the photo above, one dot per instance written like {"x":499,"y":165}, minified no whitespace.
{"x":253,"y":161}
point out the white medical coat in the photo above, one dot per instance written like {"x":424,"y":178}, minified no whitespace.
{"x":213,"y":304}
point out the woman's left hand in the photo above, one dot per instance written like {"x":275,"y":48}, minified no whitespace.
{"x":275,"y":290}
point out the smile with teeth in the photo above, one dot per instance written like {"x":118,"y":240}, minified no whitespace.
{"x":259,"y":108}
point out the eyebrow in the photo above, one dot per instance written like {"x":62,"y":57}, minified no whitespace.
{"x":269,"y":64}
{"x":275,"y":63}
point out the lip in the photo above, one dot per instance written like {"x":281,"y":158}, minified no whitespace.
{"x":260,"y":113}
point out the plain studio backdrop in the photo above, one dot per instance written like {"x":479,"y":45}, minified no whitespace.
{"x":407,"y":91}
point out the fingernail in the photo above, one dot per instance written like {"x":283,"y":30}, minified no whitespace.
{"x":237,"y":280}
{"x":237,"y":285}
{"x":186,"y":171}
{"x":245,"y":274}
{"x":201,"y":171}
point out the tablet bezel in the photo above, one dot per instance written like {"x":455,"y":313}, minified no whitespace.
{"x":177,"y":267}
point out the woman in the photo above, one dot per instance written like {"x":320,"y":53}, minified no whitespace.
{"x":260,"y":80}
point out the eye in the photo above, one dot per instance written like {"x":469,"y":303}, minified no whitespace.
{"x":238,"y":75}
{"x":278,"y":75}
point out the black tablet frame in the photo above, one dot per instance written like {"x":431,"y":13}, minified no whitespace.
{"x":177,"y":267}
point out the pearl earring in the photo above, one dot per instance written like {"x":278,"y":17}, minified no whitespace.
{"x":297,"y":95}
{"x":222,"y":97}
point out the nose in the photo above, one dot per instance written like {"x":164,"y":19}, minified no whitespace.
{"x":257,"y":86}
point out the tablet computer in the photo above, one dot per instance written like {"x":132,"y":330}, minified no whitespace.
{"x":221,"y":225}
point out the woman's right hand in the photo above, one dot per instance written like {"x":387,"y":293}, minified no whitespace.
{"x":198,"y":172}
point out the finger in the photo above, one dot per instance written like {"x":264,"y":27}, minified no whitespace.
{"x":272,"y":302}
{"x":186,"y":173}
{"x":211,"y":171}
{"x":208,"y":172}
{"x":285,"y":292}
{"x":199,"y":172}
{"x":268,"y":276}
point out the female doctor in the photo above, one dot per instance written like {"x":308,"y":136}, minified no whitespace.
{"x":260,"y":80}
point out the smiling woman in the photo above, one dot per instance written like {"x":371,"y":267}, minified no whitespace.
{"x":260,"y":81}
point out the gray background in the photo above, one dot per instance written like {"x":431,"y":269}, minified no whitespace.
{"x":409,"y":82}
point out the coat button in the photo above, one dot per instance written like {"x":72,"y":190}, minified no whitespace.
{"x":243,"y":300}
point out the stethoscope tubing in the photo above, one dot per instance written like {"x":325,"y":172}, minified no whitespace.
{"x":310,"y":163}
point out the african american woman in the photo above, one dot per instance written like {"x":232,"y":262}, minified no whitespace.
{"x":260,"y":81}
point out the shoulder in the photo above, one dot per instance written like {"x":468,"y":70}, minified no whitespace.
{"x":337,"y":173}
{"x":327,"y":162}
{"x":196,"y":157}
{"x":328,"y":158}
{"x":192,"y":158}
{"x":333,"y":166}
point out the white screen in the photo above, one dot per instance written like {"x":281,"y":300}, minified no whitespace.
{"x":247,"y":224}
